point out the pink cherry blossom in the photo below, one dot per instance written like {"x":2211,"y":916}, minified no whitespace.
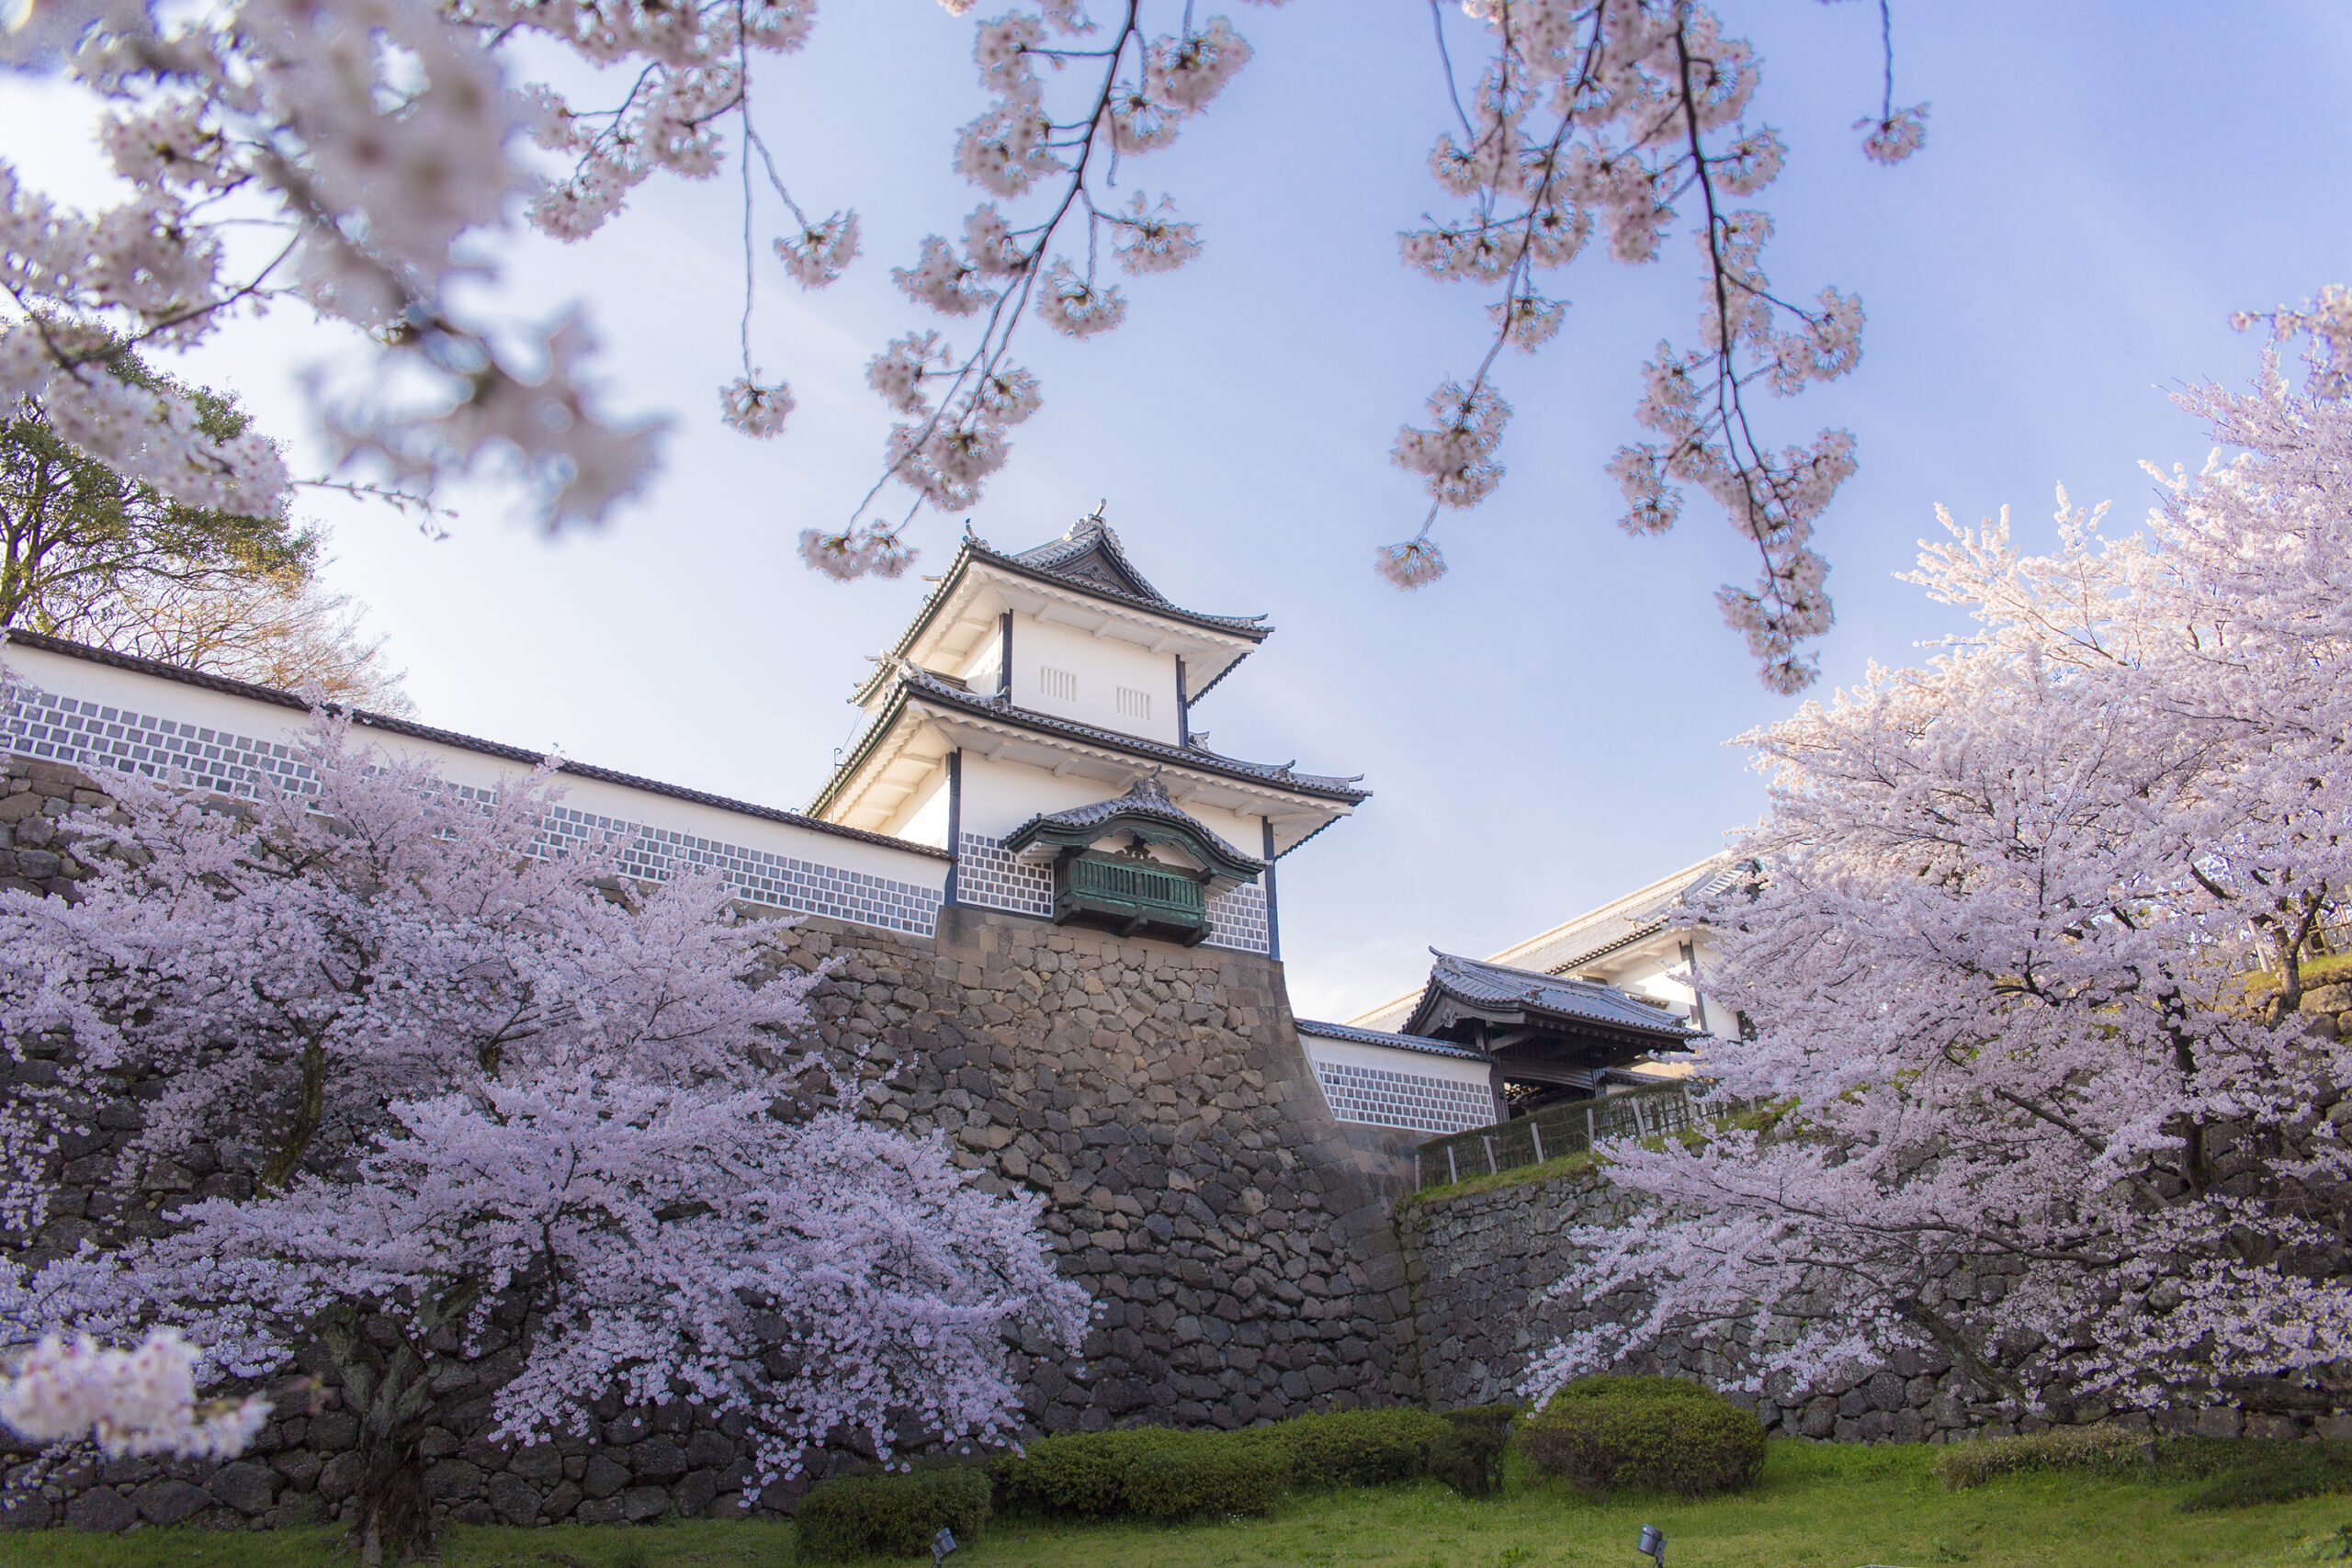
{"x":2022,"y":957}
{"x":496,"y":1096}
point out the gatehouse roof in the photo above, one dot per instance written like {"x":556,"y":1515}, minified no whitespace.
{"x":1461,"y":988}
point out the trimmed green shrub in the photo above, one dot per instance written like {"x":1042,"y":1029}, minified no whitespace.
{"x":1082,"y":1474}
{"x":1216,"y":1475}
{"x":1468,"y":1456}
{"x":877,"y":1513}
{"x":1644,"y":1434}
{"x":1974,"y":1462}
{"x":1360,"y":1448}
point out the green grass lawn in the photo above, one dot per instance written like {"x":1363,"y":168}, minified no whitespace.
{"x":1817,"y":1507}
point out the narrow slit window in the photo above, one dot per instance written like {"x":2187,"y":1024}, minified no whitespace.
{"x":1134,"y":703}
{"x":1059,"y":684}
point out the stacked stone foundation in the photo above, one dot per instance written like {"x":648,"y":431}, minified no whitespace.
{"x":1237,"y":1240}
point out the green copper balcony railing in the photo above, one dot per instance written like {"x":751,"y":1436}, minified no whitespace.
{"x":1131,"y":897}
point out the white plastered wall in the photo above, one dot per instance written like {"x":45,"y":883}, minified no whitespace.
{"x":834,"y":860}
{"x":1101,"y":666}
{"x":923,"y":820}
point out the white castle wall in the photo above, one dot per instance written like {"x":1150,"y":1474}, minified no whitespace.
{"x":101,"y":717}
{"x":1099,"y":665}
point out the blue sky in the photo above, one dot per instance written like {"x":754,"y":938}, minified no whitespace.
{"x":1545,"y":728}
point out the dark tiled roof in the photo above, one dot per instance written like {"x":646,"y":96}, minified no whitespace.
{"x":1146,"y":798}
{"x":415,"y":731}
{"x":1483,"y":985}
{"x":1250,"y":627}
{"x":1208,"y":761}
{"x":1421,"y":1042}
{"x":1067,"y":557}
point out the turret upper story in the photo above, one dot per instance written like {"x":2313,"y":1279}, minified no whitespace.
{"x":1068,"y":629}
{"x":1042,"y":700}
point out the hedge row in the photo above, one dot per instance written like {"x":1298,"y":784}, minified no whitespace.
{"x":1647,"y":1434}
{"x":1156,"y":1474}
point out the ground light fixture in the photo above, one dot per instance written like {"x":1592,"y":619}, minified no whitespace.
{"x":941,"y":1545}
{"x":1651,"y":1544}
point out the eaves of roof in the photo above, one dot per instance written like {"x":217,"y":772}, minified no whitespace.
{"x":1421,"y":1042}
{"x":1463,"y":980}
{"x":1251,"y":628}
{"x":1589,"y":955}
{"x":914,"y":679}
{"x":412,"y":730}
{"x":1134,"y":806}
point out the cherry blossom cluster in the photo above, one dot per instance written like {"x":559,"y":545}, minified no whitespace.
{"x":350,"y":156}
{"x":140,"y":1400}
{"x":495,"y":1097}
{"x":2025,"y":957}
{"x":1592,"y":117}
{"x":1051,"y":159}
{"x":2327,"y":323}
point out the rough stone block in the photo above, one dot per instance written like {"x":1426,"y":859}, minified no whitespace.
{"x":639,"y":1504}
{"x":696,"y":1493}
{"x":2220,"y":1423}
{"x":658,"y":1459}
{"x":165,"y":1502}
{"x":104,"y":1510}
{"x":605,"y":1476}
{"x":541,"y":1462}
{"x":452,"y":1481}
{"x":339,"y":1478}
{"x":515,"y":1500}
{"x":245,"y":1486}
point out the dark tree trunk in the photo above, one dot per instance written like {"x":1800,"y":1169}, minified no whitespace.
{"x":391,"y":1518}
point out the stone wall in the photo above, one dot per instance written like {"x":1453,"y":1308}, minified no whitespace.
{"x":1480,"y":1268}
{"x":1238,"y":1239}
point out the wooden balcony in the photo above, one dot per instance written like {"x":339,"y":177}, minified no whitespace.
{"x":1132,"y":896}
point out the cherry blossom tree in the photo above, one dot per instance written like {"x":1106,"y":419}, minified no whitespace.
{"x":2026,"y":962}
{"x":511,"y":1125}
{"x":351,"y":157}
{"x":140,"y":1400}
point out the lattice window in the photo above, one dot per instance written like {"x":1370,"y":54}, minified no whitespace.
{"x":1059,"y":684}
{"x":1382,"y":1098}
{"x":1134,"y":703}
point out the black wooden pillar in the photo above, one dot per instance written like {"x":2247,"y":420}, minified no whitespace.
{"x":955,"y":821}
{"x":1273,"y":920}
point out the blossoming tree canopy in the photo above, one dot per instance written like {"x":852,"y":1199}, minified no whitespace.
{"x":497,"y":1106}
{"x":2025,"y":960}
{"x":351,"y":156}
{"x":141,"y":1401}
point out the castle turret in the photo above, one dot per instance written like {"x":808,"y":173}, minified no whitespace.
{"x":1036,"y":720}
